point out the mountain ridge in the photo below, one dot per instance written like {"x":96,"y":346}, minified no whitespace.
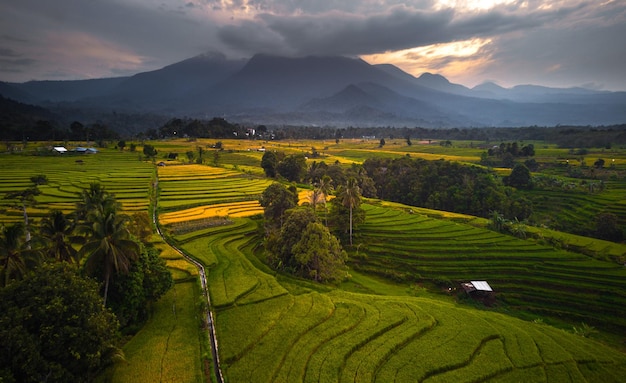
{"x":318,"y":90}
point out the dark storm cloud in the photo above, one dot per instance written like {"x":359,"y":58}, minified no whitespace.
{"x":400,"y":27}
{"x":570,"y":40}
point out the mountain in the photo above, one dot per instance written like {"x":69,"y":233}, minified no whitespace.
{"x":161,"y":87}
{"x":324,"y":90}
{"x":280,"y":84}
{"x":45,"y":92}
{"x":20,"y":121}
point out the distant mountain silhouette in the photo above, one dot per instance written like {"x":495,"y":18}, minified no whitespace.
{"x":22,"y":121}
{"x":325,"y":91}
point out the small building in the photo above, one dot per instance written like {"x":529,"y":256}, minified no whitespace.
{"x":59,"y":149}
{"x":479,"y":290}
{"x":81,"y":150}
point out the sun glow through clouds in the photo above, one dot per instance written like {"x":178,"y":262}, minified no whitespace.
{"x":456,"y":60}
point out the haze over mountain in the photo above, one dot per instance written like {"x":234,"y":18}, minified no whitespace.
{"x":322,"y":90}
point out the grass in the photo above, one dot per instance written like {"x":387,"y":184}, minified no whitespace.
{"x":167,"y":349}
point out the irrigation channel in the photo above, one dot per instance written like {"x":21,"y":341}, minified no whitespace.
{"x":203,"y":280}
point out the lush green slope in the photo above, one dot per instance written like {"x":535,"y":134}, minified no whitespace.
{"x":120,"y":173}
{"x":525,"y":274}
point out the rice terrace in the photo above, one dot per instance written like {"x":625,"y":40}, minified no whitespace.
{"x":543,"y":231}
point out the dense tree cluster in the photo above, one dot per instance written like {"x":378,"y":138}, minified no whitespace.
{"x":54,"y":288}
{"x":444,"y":185}
{"x":54,"y":328}
{"x":194,"y":128}
{"x":297,"y":241}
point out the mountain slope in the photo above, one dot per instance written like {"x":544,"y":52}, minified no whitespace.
{"x":326,"y":90}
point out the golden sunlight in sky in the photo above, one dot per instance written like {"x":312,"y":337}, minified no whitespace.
{"x":457,"y":61}
{"x":472,"y":5}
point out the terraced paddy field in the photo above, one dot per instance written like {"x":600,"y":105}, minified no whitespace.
{"x":525,"y":274}
{"x":272,"y":328}
{"x":269,"y":332}
{"x":122,"y":174}
{"x":188,"y":186}
{"x":168,"y":348}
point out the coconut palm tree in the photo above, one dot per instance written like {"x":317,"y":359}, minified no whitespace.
{"x":350,"y":197}
{"x":16,"y":259}
{"x":95,"y":198}
{"x":325,"y":187}
{"x":57,"y":231}
{"x":109,"y":247}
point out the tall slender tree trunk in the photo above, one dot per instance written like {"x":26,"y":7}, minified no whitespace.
{"x":350,"y":225}
{"x":106,"y":288}
{"x":26,"y":227}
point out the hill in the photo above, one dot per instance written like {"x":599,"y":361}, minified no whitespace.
{"x":286,"y":90}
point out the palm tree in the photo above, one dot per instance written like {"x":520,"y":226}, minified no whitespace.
{"x":95,"y":198}
{"x":57,"y":230}
{"x":109,"y":245}
{"x":350,"y":197}
{"x":325,"y":186}
{"x":16,"y":259}
{"x":315,"y":196}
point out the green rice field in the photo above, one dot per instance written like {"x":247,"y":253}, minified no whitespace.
{"x":399,"y":318}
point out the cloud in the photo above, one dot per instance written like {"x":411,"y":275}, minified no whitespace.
{"x":159,"y":36}
{"x":556,"y":41}
{"x":397,"y":27}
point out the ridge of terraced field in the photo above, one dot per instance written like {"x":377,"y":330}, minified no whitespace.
{"x":269,"y":335}
{"x":270,"y":331}
{"x":120,"y":173}
{"x":525,"y":274}
{"x":187,"y":186}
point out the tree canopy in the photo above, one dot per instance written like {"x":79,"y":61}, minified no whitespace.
{"x":54,"y":328}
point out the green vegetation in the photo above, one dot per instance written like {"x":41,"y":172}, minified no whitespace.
{"x":399,"y":317}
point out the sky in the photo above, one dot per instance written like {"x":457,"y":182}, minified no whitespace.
{"x":557,"y":43}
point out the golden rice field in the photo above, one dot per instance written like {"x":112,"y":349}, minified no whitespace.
{"x":233,"y":209}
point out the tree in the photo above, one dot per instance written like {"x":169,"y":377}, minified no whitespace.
{"x":276,"y":200}
{"x":16,"y":259}
{"x":149,"y":151}
{"x":325,"y":187}
{"x":608,"y":227}
{"x":319,"y":254}
{"x":121,"y":144}
{"x":146,"y":281}
{"x":39,"y":179}
{"x":599,"y":164}
{"x":269,"y":163}
{"x":381,"y":143}
{"x":25,"y":198}
{"x":519,"y":178}
{"x":315,"y":196}
{"x":190,"y":155}
{"x":54,"y":328}
{"x":95,"y":198}
{"x":140,"y":226}
{"x":57,"y":232}
{"x":109,"y":247}
{"x":350,"y":197}
{"x":292,"y":167}
{"x":281,"y":247}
